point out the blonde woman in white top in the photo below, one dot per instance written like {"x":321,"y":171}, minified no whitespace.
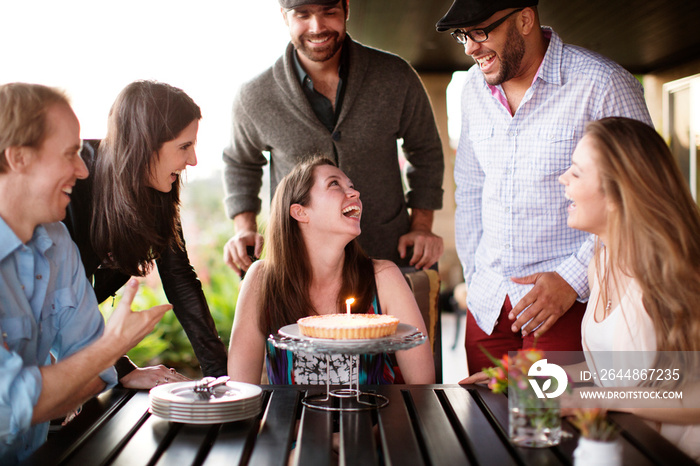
{"x":625,"y":187}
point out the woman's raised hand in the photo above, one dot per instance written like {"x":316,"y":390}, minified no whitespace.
{"x":149,"y":377}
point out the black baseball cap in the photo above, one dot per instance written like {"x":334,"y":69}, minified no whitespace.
{"x":464,"y":13}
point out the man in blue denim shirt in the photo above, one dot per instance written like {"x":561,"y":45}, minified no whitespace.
{"x":47,"y":306}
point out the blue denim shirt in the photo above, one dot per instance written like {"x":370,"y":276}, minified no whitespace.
{"x":46,"y":306}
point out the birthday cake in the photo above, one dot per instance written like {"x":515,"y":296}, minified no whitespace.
{"x":348,"y":326}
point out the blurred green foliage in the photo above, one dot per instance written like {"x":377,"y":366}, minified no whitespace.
{"x":206,"y":230}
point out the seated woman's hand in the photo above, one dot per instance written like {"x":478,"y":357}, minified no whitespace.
{"x":149,"y":377}
{"x":479,"y":377}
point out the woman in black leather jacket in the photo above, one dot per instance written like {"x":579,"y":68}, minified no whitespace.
{"x":125,"y":215}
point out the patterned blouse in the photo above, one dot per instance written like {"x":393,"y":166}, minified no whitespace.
{"x":288,"y":368}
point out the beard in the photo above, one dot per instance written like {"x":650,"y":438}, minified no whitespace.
{"x":315,"y":53}
{"x":511,"y":58}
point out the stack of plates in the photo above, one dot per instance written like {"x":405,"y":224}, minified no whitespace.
{"x":232,"y":401}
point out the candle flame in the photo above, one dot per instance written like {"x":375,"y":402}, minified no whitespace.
{"x":348,"y":302}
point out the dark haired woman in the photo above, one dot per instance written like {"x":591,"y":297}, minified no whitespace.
{"x":125,"y":216}
{"x":313,"y":264}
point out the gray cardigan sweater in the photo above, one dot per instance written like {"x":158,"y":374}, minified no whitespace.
{"x":384,"y":101}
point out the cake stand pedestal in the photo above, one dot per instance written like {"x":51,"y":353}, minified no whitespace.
{"x":353,"y":399}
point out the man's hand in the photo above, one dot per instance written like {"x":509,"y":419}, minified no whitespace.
{"x":427,"y":247}
{"x":550,"y":298}
{"x":235,"y":254}
{"x":125,"y":327}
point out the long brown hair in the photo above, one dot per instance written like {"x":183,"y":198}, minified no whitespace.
{"x":132,"y":223}
{"x":654,"y":228}
{"x":286,"y":274}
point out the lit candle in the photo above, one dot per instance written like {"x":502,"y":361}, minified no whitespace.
{"x":348,"y":302}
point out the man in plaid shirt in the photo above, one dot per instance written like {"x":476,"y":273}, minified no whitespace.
{"x":524,"y":108}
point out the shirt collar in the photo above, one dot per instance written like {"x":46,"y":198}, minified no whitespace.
{"x":550,"y":69}
{"x":304,"y":78}
{"x":9,"y":241}
{"x":42,"y":239}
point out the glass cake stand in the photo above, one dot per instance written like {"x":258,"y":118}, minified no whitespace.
{"x":290,"y":338}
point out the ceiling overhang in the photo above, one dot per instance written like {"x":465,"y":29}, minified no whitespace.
{"x":643,"y":36}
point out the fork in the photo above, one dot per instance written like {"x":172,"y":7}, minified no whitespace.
{"x":204,"y":388}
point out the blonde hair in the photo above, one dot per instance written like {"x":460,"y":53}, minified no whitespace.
{"x":653,"y":229}
{"x":23,"y":110}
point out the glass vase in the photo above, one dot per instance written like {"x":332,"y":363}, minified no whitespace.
{"x":533,"y":422}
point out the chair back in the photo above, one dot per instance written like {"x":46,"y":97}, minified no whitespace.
{"x":425,"y":285}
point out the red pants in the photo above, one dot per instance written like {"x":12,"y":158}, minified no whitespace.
{"x":564,"y":335}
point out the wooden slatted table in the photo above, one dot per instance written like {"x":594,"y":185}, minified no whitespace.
{"x":422,"y":425}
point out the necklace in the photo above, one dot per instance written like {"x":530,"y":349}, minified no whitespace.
{"x":606,"y":277}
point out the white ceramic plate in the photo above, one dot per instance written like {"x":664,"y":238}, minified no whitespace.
{"x":290,"y":338}
{"x":292,"y":331}
{"x":183,"y":393}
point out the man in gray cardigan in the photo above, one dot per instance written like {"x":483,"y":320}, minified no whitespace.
{"x":329,"y":95}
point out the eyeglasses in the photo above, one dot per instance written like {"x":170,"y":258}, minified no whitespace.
{"x":480,"y":35}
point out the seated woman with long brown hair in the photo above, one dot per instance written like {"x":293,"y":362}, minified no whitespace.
{"x":313,"y":263}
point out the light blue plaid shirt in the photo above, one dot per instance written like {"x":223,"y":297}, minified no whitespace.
{"x":511,"y":211}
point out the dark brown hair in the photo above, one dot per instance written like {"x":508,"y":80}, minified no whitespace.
{"x":132,"y":223}
{"x":286,"y":274}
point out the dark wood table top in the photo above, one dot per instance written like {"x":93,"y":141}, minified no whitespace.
{"x":421,"y":425}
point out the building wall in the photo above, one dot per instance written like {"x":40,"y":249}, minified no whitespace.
{"x":653,"y":88}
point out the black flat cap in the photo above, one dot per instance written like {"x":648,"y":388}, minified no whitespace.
{"x":464,"y":13}
{"x":289,"y":4}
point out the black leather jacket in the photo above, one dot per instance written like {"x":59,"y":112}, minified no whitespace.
{"x":180,"y":282}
